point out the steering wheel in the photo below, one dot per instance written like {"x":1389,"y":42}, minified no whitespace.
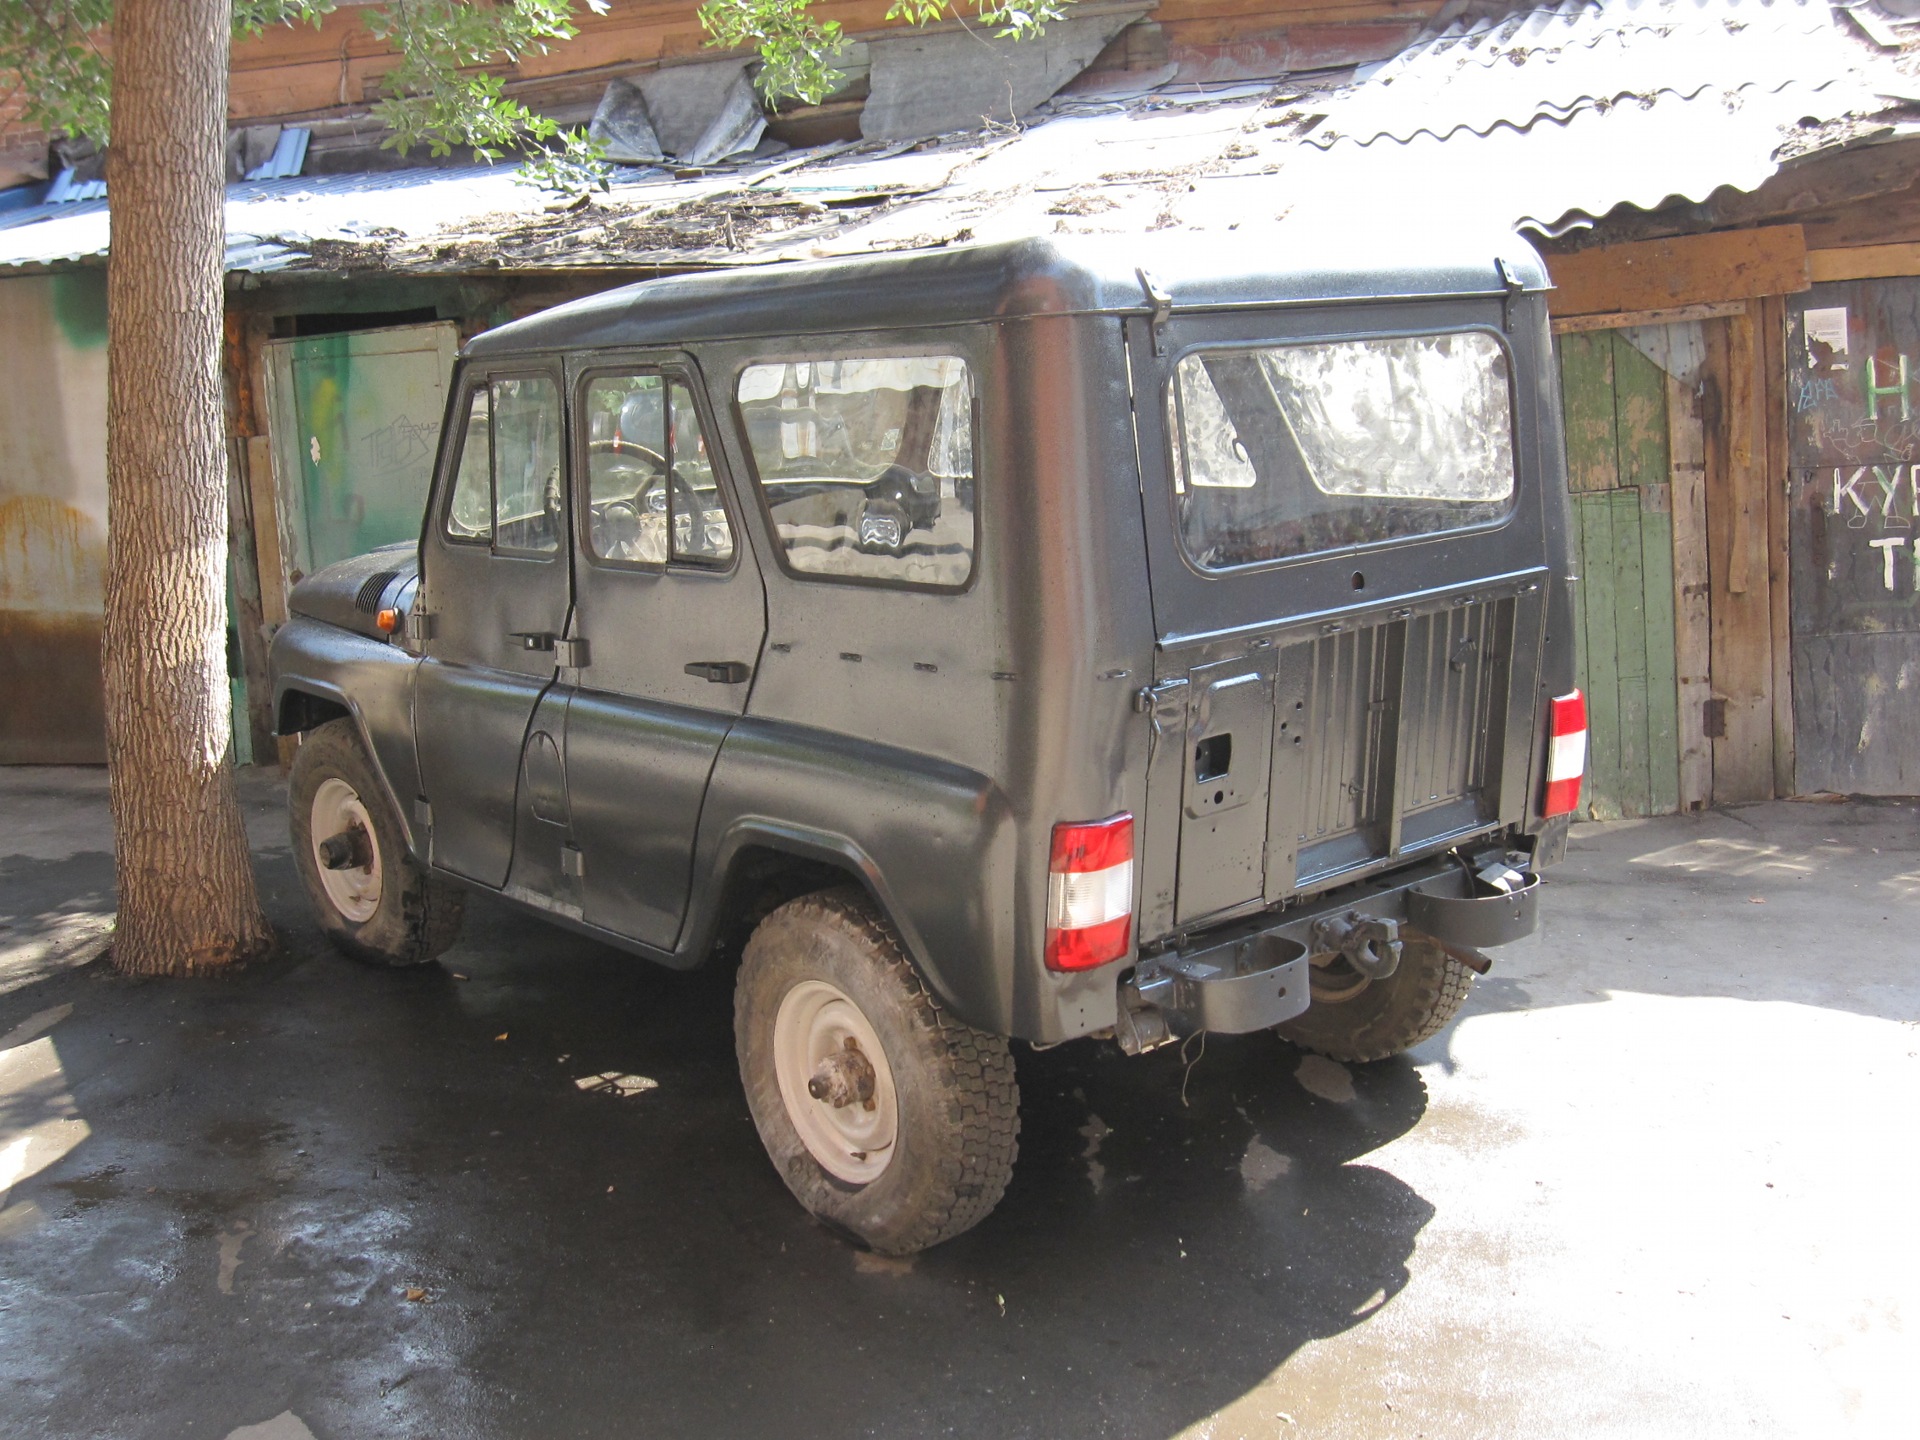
{"x":616,"y":530}
{"x":627,"y":447}
{"x":698,"y":541}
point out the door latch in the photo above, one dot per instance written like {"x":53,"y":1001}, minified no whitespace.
{"x":543,"y":640}
{"x":720,"y":672}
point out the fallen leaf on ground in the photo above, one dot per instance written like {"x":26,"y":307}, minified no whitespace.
{"x":414,"y":1292}
{"x":613,"y":1083}
{"x":501,"y":1036}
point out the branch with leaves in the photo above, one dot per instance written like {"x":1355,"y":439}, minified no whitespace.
{"x":445,"y":91}
{"x":797,"y":49}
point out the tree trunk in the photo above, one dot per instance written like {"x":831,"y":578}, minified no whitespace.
{"x":187,"y":897}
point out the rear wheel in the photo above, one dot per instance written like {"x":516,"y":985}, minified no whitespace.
{"x":890,"y":1121}
{"x":1355,"y":1019}
{"x":374,"y":900}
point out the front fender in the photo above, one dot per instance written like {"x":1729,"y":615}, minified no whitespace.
{"x":373,"y":681}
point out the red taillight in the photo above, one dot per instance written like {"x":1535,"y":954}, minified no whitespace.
{"x":1090,"y":894}
{"x":1566,"y":753}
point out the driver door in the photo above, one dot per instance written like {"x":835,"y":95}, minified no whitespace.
{"x":495,"y":590}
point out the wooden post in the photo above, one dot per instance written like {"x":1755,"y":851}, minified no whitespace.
{"x":1737,"y":560}
{"x":1771,"y":389}
{"x":1692,"y":630}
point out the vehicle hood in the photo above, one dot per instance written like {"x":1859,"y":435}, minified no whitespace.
{"x":353,"y":592}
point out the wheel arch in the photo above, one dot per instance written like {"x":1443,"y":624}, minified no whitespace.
{"x":761,"y":863}
{"x":307,"y":704}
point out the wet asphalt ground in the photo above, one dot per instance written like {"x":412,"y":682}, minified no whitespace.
{"x":1659,"y":1180}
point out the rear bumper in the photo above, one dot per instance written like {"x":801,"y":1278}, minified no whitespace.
{"x":1252,"y":975}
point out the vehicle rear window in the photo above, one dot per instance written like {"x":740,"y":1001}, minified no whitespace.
{"x":866,"y":465}
{"x":1288,"y":450}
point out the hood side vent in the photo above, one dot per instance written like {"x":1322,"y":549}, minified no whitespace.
{"x":368,"y":599}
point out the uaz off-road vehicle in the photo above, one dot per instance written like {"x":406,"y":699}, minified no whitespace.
{"x":1016,"y":642}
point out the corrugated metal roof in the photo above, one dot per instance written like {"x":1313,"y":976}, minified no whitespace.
{"x":1592,"y":54}
{"x":1560,"y":114}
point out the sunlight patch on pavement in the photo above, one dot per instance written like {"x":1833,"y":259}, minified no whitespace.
{"x":284,"y":1426}
{"x":58,"y":942}
{"x":39,"y":1122}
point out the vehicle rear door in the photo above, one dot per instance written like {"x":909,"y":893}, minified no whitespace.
{"x":671,"y":612}
{"x":494,"y":597}
{"x":1346,"y":549}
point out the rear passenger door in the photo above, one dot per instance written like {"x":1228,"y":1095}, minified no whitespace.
{"x":673,"y":612}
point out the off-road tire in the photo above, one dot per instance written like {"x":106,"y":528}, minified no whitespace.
{"x":418,"y":915}
{"x":959,"y":1105}
{"x":1387,"y":1017}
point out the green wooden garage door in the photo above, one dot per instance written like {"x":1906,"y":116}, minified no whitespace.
{"x":1618,"y":470}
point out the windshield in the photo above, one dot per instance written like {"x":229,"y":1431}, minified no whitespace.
{"x":1291,"y":450}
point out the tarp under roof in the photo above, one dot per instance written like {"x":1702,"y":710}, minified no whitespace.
{"x":1546,"y":119}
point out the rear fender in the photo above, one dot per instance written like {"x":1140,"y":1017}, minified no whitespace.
{"x":933,"y":843}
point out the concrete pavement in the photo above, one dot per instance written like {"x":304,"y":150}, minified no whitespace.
{"x":1658,"y":1180}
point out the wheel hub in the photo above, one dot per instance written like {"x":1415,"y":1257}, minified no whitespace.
{"x":843,"y":1078}
{"x":344,"y":851}
{"x":835,"y":1082}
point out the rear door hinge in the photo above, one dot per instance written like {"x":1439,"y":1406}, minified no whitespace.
{"x":1161,"y":304}
{"x":1166,"y":696}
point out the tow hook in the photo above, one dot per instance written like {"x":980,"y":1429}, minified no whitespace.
{"x":351,"y":849}
{"x":843,"y":1078}
{"x":1371,"y":946}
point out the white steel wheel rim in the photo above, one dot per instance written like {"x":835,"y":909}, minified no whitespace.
{"x":355,"y":893}
{"x":851,"y":1142}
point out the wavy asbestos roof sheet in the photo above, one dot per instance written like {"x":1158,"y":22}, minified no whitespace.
{"x":1556,"y":116}
{"x":1550,"y":64}
{"x":270,"y":221}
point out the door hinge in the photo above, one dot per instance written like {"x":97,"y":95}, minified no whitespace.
{"x":572,"y":654}
{"x":573,"y":860}
{"x":1161,"y":312}
{"x":1713,"y":719}
{"x":1153,"y":700}
{"x":419,"y":626}
{"x":423,"y":813}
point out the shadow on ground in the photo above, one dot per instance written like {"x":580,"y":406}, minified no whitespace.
{"x":278,"y":1160}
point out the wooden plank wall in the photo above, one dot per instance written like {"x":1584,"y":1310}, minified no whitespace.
{"x":307,"y":71}
{"x":1618,"y":466}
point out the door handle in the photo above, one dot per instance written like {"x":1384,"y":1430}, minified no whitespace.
{"x":720,"y":672}
{"x":534,"y":639}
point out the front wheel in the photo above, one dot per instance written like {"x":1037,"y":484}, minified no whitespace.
{"x":1356,"y":1019}
{"x":888,"y":1120}
{"x":374,"y":900}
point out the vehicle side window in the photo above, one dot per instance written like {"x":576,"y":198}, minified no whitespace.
{"x":866,"y":465}
{"x":652,"y":493}
{"x":470,"y":515}
{"x":526,"y":464}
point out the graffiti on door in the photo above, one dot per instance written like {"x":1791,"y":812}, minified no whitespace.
{"x":1853,"y":414}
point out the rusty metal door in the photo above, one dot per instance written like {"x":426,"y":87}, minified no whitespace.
{"x":355,"y":418}
{"x":1853,"y":403}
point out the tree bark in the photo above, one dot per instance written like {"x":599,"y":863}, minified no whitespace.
{"x":187,"y":898}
